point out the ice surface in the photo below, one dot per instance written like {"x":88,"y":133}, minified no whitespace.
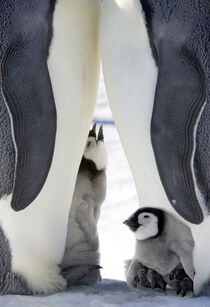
{"x":109,"y":293}
{"x":116,"y":242}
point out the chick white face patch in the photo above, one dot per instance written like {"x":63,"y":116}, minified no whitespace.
{"x":148,"y":226}
{"x":96,"y":152}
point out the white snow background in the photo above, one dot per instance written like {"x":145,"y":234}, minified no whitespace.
{"x":116,"y":241}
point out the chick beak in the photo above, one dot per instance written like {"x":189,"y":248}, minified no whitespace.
{"x":131,"y":224}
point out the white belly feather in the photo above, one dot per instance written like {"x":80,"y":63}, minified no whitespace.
{"x":37,"y":234}
{"x":131,"y":75}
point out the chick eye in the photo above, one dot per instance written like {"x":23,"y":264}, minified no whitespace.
{"x":146,"y":216}
{"x":88,"y":144}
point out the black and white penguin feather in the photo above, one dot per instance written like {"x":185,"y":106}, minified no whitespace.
{"x":163,"y":243}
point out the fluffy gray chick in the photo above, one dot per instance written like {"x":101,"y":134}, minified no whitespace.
{"x":163,"y":245}
{"x":81,"y":259}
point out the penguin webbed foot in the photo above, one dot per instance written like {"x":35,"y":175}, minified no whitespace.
{"x":149,"y":278}
{"x":184,"y":286}
{"x":177,"y":274}
{"x":82,"y":275}
{"x":156,"y":280}
{"x":183,"y":283}
{"x":141,"y":278}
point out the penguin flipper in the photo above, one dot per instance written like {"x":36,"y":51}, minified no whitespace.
{"x":29,"y":99}
{"x":179,"y":101}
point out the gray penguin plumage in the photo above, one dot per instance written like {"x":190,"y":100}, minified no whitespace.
{"x":178,"y":32}
{"x":24,"y":105}
{"x":81,"y":259}
{"x":163,"y":244}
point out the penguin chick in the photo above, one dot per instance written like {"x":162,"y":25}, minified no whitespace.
{"x":81,"y":258}
{"x":163,"y":244}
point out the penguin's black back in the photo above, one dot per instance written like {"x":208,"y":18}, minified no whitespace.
{"x":179,"y":32}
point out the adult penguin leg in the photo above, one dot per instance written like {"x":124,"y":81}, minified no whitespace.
{"x":130,"y":76}
{"x":37,"y":234}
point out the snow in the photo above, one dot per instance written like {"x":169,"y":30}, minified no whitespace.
{"x":109,"y":293}
{"x":116,"y":242}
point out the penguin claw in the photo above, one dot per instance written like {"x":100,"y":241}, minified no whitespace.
{"x":149,"y":278}
{"x":163,"y":284}
{"x":178,"y":287}
{"x":142,"y":277}
{"x":184,"y":286}
{"x":187,"y":286}
{"x":156,"y":280}
{"x":94,"y":267}
{"x":83,"y":274}
{"x":152,"y":277}
{"x":184,"y":283}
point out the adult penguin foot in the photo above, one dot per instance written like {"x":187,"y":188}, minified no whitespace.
{"x":184,"y":286}
{"x":82,"y":275}
{"x":183,"y":283}
{"x":148,"y":278}
{"x":156,"y":280}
